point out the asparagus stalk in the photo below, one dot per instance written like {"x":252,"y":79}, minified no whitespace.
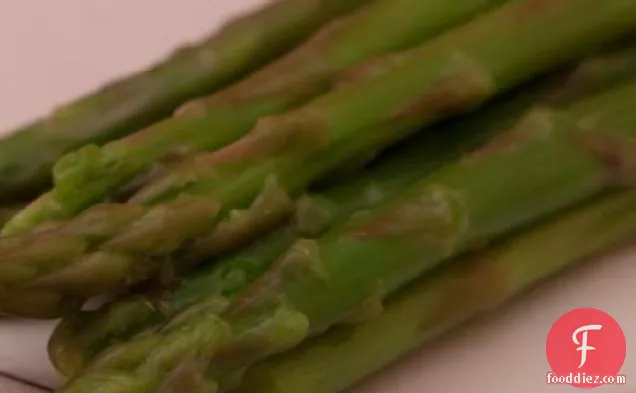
{"x":113,"y":245}
{"x":139,"y":100}
{"x":83,"y":335}
{"x":447,"y":297}
{"x":90,"y":174}
{"x":499,"y":188}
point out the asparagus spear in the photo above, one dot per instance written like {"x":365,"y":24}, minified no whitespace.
{"x":447,"y":297}
{"x":83,"y":335}
{"x":113,"y":245}
{"x":144,"y":98}
{"x":90,"y":174}
{"x":501,"y":187}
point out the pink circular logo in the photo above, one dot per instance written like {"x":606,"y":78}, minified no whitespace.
{"x":586,"y":348}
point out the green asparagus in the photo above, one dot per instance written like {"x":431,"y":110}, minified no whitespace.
{"x":115,"y":245}
{"x":503,"y":186}
{"x":27,"y":156}
{"x":90,"y":174}
{"x":447,"y":297}
{"x":82,"y":335}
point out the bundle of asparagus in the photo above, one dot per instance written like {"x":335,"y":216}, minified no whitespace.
{"x":318,"y":284}
{"x":82,"y":335}
{"x":305,"y":275}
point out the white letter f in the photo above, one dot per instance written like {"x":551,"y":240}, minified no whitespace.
{"x":583,"y":345}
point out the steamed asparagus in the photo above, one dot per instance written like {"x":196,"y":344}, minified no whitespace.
{"x":499,"y":188}
{"x":83,"y":335}
{"x":90,"y":174}
{"x":113,"y":245}
{"x":447,"y":297}
{"x":28,"y":154}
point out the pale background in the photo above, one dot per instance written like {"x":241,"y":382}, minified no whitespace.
{"x":52,"y":51}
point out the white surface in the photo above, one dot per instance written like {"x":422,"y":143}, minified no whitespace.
{"x":51,"y":51}
{"x":11,"y":386}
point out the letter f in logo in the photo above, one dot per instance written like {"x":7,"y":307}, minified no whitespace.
{"x":583,"y":343}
